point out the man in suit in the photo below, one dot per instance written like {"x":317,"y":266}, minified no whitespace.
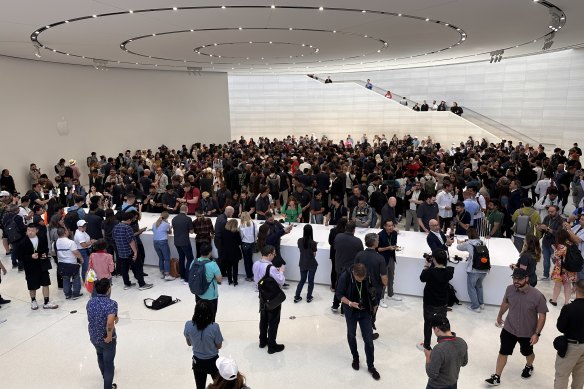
{"x":33,"y":251}
{"x":436,"y":238}
{"x":514,"y":197}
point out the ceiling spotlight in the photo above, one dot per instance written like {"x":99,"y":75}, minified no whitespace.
{"x":272,"y":6}
{"x":50,"y":26}
{"x":320,"y":8}
{"x":379,"y":51}
{"x":93,"y":16}
{"x":334,"y":31}
{"x":446,"y":24}
{"x":66,"y":21}
{"x":364,"y":11}
{"x":270,"y":42}
{"x":215,"y":44}
{"x":223,"y":7}
{"x":153,"y":34}
{"x":174,"y":8}
{"x":365,"y":36}
{"x":130,"y":11}
{"x":240,"y":28}
{"x":427,"y":19}
{"x":290,"y":29}
{"x":250,"y":42}
{"x":192,"y":30}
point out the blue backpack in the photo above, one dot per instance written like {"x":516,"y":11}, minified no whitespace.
{"x":198,"y":283}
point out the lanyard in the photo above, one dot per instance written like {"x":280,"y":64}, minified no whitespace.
{"x":359,"y":289}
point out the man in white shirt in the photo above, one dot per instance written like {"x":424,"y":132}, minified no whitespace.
{"x":24,"y":211}
{"x":551,"y":198}
{"x":543,"y":185}
{"x":478,"y":217}
{"x":83,"y":243}
{"x":445,"y":199}
{"x":68,"y":257}
{"x":304,"y":165}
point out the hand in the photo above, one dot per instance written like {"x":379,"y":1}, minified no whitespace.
{"x":542,"y":227}
{"x":534,"y":339}
{"x":108,"y":339}
{"x":35,"y":256}
{"x":500,"y":321}
{"x":427,"y":353}
{"x":135,"y":256}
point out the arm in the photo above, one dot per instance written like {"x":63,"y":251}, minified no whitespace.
{"x":540,"y":323}
{"x":434,"y":360}
{"x":504,"y":307}
{"x":421,"y":224}
{"x":109,"y":327}
{"x":134,"y":249}
{"x":77,"y":254}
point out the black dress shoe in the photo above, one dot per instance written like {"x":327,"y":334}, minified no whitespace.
{"x":375,"y":336}
{"x":144,"y":275}
{"x":230,"y":282}
{"x":235,"y":283}
{"x":262,"y":345}
{"x":355,"y":364}
{"x":275,"y":348}
{"x":4,"y":301}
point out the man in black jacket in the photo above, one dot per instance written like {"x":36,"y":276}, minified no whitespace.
{"x":347,"y":245}
{"x":436,"y":276}
{"x":355,"y":290}
{"x":570,"y":324}
{"x":14,"y":231}
{"x":436,"y":238}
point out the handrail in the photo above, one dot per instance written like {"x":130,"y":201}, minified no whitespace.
{"x":496,"y":128}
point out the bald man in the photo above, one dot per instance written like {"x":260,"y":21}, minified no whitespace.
{"x":436,"y":238}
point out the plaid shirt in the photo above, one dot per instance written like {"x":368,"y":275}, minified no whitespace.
{"x":203,"y":228}
{"x":123,"y":235}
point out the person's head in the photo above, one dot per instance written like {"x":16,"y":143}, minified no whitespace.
{"x":553,"y":210}
{"x":531,"y":245}
{"x":100,"y":245}
{"x":232,"y":225}
{"x":81,"y":225}
{"x":434,"y":225}
{"x":25,"y":201}
{"x":527,"y":202}
{"x":493,"y":204}
{"x":388,"y":226}
{"x":472,"y":233}
{"x":430,"y":200}
{"x":350,"y":228}
{"x":552,"y":194}
{"x":371,"y":240}
{"x":579,"y":286}
{"x":32,"y":230}
{"x":203,"y":315}
{"x":229,"y":211}
{"x":205,"y":250}
{"x":440,"y":325}
{"x":130,"y":198}
{"x":336,"y":200}
{"x":392,"y":202}
{"x":520,"y":278}
{"x":127,"y":218}
{"x":102,"y":286}
{"x":359,"y":272}
{"x":268,"y":252}
{"x":362,"y":201}
{"x":440,"y":256}
{"x":299,"y":187}
{"x":184,"y":209}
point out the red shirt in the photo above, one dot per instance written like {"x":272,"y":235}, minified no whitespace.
{"x":194,"y":192}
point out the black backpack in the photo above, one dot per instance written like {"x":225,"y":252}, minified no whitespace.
{"x":11,"y":230}
{"x":161,"y":302}
{"x":271,"y":295}
{"x":273,"y":184}
{"x":481,"y":259}
{"x":198,"y":283}
{"x":573,"y":261}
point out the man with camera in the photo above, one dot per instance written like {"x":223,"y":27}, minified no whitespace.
{"x":551,"y":224}
{"x":354,"y":289}
{"x":436,"y":275}
{"x":436,"y":238}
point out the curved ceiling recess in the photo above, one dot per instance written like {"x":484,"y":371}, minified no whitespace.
{"x":290,"y":48}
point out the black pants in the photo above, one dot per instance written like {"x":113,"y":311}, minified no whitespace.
{"x":220,"y":260}
{"x":429,"y":312}
{"x":269,"y":322}
{"x":202,"y":367}
{"x":333,"y":274}
{"x":214,"y":305}
{"x":59,"y":275}
{"x":232,"y":270}
{"x":445,"y":223}
{"x":137,"y":270}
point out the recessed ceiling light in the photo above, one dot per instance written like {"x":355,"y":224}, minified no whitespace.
{"x":320,"y":8}
{"x":37,"y":32}
{"x":290,"y":29}
{"x":47,"y":26}
{"x":153,"y":34}
{"x":399,"y":14}
{"x":379,"y":51}
{"x":240,"y":28}
{"x":223,"y":7}
{"x":446,"y":24}
{"x":192,"y":30}
{"x":272,"y":6}
{"x":214,"y":44}
{"x":93,"y":16}
{"x":427,"y":19}
{"x":303,"y":45}
{"x":363,"y":11}
{"x":130,"y":40}
{"x":334,"y":31}
{"x":203,"y":46}
{"x":174,"y":8}
{"x":66,"y":21}
{"x":364,"y":36}
{"x":250,"y":42}
{"x":155,"y":64}
{"x":130,"y":11}
{"x":247,"y":58}
{"x":463,"y":39}
{"x":232,"y":68}
{"x":262,"y":57}
{"x":270,"y":42}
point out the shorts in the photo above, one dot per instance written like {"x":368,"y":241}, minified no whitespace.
{"x":508,"y":342}
{"x":37,"y":278}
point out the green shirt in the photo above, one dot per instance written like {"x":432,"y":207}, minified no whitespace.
{"x":292,"y":214}
{"x":496,"y":217}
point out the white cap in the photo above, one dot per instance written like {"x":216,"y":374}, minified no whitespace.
{"x":81,"y":223}
{"x":4,"y":194}
{"x":227,"y":368}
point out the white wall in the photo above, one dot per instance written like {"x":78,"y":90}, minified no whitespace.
{"x":277,"y":106}
{"x":106,"y":111}
{"x":541,"y":95}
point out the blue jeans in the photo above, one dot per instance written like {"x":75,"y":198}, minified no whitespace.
{"x":547,"y":254}
{"x":247,"y":252}
{"x":303,"y":275}
{"x":474,"y":284}
{"x":72,"y":282}
{"x":185,"y":252}
{"x":442,"y":387}
{"x":106,"y":353}
{"x":85,"y":254}
{"x":163,"y":250}
{"x":352,"y":317}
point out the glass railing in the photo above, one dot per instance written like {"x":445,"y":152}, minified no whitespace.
{"x":494,"y":127}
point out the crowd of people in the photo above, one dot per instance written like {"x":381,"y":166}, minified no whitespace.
{"x":475,"y":189}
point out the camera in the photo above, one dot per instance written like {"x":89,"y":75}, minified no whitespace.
{"x":427,"y":257}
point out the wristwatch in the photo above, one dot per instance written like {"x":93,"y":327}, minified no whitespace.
{"x":538,"y":334}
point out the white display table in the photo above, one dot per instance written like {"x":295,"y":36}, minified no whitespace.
{"x":409,"y":261}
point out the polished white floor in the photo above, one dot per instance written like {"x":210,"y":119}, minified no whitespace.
{"x":51,"y":349}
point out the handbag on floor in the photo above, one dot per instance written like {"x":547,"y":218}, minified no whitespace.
{"x":174,"y":268}
{"x":161,"y":302}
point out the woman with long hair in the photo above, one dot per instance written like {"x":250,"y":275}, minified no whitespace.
{"x":229,"y":376}
{"x":204,"y":336}
{"x":231,"y":251}
{"x":529,"y":257}
{"x":108,"y":226}
{"x":560,"y":275}
{"x":292,"y":210}
{"x":307,"y":263}
{"x":247,"y":231}
{"x":160,"y":231}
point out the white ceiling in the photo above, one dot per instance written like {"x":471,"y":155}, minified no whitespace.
{"x":343,"y":38}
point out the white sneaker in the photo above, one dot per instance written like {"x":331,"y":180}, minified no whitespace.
{"x":50,"y":305}
{"x":169,"y":278}
{"x":477,"y":310}
{"x":145,"y":286}
{"x":396,"y":298}
{"x":383,"y":304}
{"x":162,"y":276}
{"x":185,"y":282}
{"x":34,"y":305}
{"x":482,"y":307}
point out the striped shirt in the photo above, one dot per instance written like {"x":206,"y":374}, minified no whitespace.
{"x":123,"y":235}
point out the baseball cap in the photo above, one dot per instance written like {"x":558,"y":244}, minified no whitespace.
{"x":81,"y":223}
{"x":4,"y":194}
{"x":519,"y":273}
{"x":227,"y":368}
